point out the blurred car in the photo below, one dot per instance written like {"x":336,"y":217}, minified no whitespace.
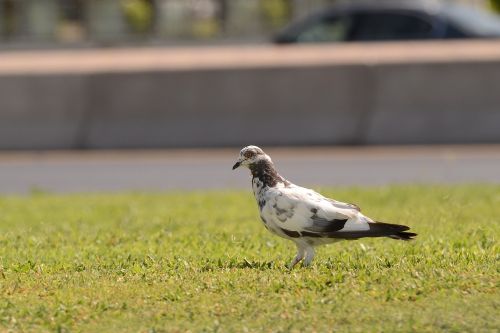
{"x":391,"y":21}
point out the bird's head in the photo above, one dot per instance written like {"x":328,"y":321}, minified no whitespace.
{"x":249,"y":156}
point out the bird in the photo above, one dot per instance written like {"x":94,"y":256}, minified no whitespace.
{"x":303,"y":215}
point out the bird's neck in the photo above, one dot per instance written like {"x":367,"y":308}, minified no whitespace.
{"x":265,"y":171}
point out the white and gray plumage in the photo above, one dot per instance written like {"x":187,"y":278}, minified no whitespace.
{"x":305,"y":216}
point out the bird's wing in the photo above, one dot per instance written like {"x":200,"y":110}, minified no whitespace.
{"x":305,"y":211}
{"x":341,"y":204}
{"x":336,"y":203}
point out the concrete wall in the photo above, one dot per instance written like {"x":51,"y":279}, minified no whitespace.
{"x":358,"y":94}
{"x":38,"y":112}
{"x":436,"y":103}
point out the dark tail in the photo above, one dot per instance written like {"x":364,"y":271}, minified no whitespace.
{"x":406,"y":236}
{"x":394,"y":231}
{"x":377,"y":229}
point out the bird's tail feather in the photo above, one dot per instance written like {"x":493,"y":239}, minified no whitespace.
{"x":379,"y":229}
{"x":394,"y":231}
{"x":406,"y":236}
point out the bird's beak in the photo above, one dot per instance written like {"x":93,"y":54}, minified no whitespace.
{"x":236,"y":165}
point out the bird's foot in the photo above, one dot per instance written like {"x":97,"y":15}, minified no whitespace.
{"x":309,"y":257}
{"x":295,"y":261}
{"x":306,"y":263}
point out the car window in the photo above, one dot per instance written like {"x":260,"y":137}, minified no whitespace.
{"x":389,"y":26}
{"x":329,"y":29}
{"x":474,"y":21}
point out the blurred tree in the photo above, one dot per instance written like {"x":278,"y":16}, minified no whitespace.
{"x":204,"y":15}
{"x":40,"y":19}
{"x":9,"y":20}
{"x":139,"y":14}
{"x":495,"y":5}
{"x":71,"y":27}
{"x":276,"y":12}
{"x":72,"y":10}
{"x":222,"y":12}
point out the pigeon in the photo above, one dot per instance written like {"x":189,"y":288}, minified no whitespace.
{"x":304,"y":216}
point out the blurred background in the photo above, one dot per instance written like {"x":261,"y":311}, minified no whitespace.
{"x":37,"y":23}
{"x":108,"y":94}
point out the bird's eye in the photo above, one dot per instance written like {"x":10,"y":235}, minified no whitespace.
{"x":248,"y":154}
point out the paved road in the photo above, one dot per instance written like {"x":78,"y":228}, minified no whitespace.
{"x":211,"y":169}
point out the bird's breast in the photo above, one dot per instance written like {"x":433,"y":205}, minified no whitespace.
{"x":274,"y":209}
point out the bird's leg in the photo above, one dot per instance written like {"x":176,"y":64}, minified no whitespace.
{"x":300,"y":255}
{"x":309,"y":256}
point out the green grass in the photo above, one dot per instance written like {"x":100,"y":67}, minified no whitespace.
{"x":141,"y":262}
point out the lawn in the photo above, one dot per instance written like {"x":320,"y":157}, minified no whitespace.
{"x":203,"y":262}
